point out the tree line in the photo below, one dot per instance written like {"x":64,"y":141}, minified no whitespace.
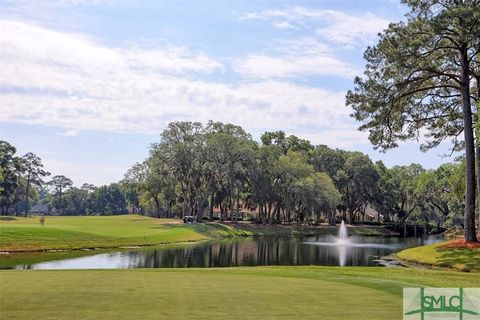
{"x":23,"y":182}
{"x":196,"y":170}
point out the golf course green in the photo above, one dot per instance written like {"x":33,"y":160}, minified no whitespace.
{"x":305,"y":292}
{"x":229,"y":293}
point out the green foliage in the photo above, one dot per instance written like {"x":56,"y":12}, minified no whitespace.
{"x":413,"y":77}
{"x":33,"y":174}
{"x":418,"y":80}
{"x":195,"y":169}
{"x":107,"y":200}
{"x":11,"y":169}
{"x":60,"y":184}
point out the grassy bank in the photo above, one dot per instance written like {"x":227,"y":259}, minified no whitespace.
{"x":443,"y":255}
{"x":87,"y":232}
{"x":66,"y":233}
{"x":233,"y":293}
{"x":283,"y":230}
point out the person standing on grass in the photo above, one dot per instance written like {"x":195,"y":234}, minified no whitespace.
{"x":42,"y":220}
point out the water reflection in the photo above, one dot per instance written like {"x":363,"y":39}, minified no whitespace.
{"x":245,"y":252}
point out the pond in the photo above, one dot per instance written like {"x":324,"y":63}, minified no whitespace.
{"x":260,"y":251}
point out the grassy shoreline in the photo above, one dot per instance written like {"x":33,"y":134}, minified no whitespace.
{"x":442,"y":256}
{"x":107,"y":232}
{"x":233,"y":293}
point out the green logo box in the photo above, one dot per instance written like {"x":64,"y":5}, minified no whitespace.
{"x":441,"y":303}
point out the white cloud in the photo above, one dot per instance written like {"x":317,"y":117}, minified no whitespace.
{"x":70,"y":133}
{"x":351,"y":30}
{"x":73,"y":82}
{"x":25,"y":43}
{"x":284,"y":25}
{"x":335,"y":26}
{"x":305,"y":57}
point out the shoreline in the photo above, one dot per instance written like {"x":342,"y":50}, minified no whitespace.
{"x":240,"y":230}
{"x":441,"y":256}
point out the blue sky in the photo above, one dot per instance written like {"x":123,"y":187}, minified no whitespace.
{"x":88,"y":85}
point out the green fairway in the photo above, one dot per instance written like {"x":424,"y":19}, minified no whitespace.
{"x":61,"y":232}
{"x":87,"y":232}
{"x":438,"y":255}
{"x":231,"y":293}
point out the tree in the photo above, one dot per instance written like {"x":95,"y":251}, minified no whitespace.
{"x":280,"y":139}
{"x":359,"y":183}
{"x":263,"y":181}
{"x":232,"y":155}
{"x":11,"y":166}
{"x":316,"y":194}
{"x":132,"y":183}
{"x":107,"y":200}
{"x":437,"y":194}
{"x":33,"y":174}
{"x":418,"y":78}
{"x":59,"y":184}
{"x":386,"y":198}
{"x":182,"y":146}
{"x":287,"y":170}
{"x":1,"y":179}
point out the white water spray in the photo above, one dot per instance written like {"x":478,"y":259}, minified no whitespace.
{"x":342,"y":234}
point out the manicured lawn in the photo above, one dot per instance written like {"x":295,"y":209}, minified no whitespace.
{"x":230,"y":293}
{"x":26,"y":234}
{"x":86,"y":232}
{"x":440,"y":255}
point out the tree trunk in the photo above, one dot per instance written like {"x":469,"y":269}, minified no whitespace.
{"x":260,"y":212}
{"x":61,"y":204}
{"x":477,"y":147}
{"x":331,"y":218}
{"x":268,"y":210}
{"x":351,"y":214}
{"x":210,"y":214}
{"x":469,"y":216}
{"x":200,"y":208}
{"x":237,"y":211}
{"x":26,"y":197}
{"x":477,"y":160}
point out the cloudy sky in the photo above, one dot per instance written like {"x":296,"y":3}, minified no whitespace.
{"x":88,"y":85}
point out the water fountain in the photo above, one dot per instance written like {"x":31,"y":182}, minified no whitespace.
{"x":346,"y":245}
{"x":342,"y":234}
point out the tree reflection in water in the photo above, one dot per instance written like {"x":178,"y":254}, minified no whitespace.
{"x":244,"y":252}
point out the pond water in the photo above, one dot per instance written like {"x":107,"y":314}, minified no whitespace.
{"x":261,"y":251}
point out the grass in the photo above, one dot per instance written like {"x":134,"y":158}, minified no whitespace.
{"x":233,"y":293}
{"x":442,"y":256}
{"x":293,"y":230}
{"x":66,"y":233}
{"x":89,"y":232}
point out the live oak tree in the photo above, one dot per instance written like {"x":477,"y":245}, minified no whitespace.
{"x":359,"y":184}
{"x":408,"y":197}
{"x":314,"y":195}
{"x":418,"y":79}
{"x":33,"y":173}
{"x":231,"y":152}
